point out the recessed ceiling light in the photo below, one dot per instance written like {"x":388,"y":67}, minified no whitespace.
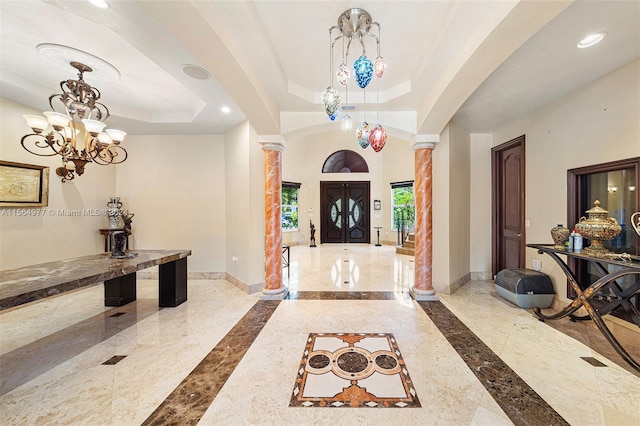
{"x":196,"y":72}
{"x":591,"y":39}
{"x":102,"y":4}
{"x":225,"y":109}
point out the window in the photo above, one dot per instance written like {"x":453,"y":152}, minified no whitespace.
{"x":402,"y":206}
{"x":345,"y":161}
{"x":290,"y":206}
{"x":615,"y":185}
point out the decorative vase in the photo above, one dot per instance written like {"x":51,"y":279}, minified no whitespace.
{"x":597,"y":228}
{"x":114,"y":212}
{"x":560,"y":236}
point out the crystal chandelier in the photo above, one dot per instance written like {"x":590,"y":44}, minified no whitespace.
{"x":78,"y":135}
{"x":355,"y":23}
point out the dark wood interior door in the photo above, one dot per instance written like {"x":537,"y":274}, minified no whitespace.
{"x":508,"y":230}
{"x":344,"y":212}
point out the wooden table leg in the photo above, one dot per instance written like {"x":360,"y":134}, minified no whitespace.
{"x":120,"y":291}
{"x":173,"y":283}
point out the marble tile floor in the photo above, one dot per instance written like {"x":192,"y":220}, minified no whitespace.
{"x":227,"y":358}
{"x":353,"y":370}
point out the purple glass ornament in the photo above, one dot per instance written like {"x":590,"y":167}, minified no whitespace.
{"x":377,"y":138}
{"x":362,"y":134}
{"x":363,"y":69}
{"x":343,"y":74}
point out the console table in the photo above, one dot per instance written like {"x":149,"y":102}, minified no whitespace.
{"x":30,"y":283}
{"x":585,"y":294}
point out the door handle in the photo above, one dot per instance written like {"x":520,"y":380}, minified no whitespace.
{"x":519,"y":235}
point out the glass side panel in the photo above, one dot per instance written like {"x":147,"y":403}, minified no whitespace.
{"x":617,"y":193}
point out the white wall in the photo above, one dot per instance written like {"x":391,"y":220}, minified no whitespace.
{"x":479,"y":204}
{"x":244,"y":204}
{"x":459,"y":196}
{"x":440,"y":217}
{"x":175,"y":185}
{"x":303,"y":160}
{"x":596,"y":124}
{"x":399,"y":166}
{"x":236,"y":144}
{"x":255,"y":271}
{"x":28,"y":240}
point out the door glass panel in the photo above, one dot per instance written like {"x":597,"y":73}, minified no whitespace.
{"x":352,"y":203}
{"x":617,"y":193}
{"x":336,"y":213}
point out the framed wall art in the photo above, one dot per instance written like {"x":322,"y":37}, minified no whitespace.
{"x":23,"y":185}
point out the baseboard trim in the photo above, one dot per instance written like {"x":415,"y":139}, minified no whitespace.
{"x":153,"y":275}
{"x":481,"y":276}
{"x":247,"y":288}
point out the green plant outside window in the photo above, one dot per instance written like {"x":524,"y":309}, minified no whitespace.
{"x":403,"y":208}
{"x":289,"y":208}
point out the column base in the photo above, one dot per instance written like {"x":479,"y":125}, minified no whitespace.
{"x":277,"y":294}
{"x":423,"y":295}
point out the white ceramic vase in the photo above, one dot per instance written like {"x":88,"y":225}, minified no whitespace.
{"x":114,"y":212}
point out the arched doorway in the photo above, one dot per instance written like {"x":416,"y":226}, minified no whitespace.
{"x":344,"y":205}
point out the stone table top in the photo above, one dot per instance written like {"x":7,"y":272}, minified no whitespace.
{"x":29,"y":283}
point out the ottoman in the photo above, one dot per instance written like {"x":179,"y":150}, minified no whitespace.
{"x":525,"y":287}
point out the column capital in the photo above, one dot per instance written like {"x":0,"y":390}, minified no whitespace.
{"x":425,"y":141}
{"x":272,"y":142}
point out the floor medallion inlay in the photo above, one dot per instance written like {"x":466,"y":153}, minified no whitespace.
{"x":353,"y":370}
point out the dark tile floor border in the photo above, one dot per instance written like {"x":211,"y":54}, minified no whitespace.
{"x":517,"y":399}
{"x":190,"y":400}
{"x":342,"y":295}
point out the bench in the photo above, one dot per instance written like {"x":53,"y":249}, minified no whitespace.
{"x":525,"y":287}
{"x":35,"y":282}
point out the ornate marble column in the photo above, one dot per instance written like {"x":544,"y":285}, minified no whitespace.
{"x":273,"y":145}
{"x":423,"y":148}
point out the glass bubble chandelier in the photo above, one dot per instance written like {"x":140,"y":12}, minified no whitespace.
{"x":78,"y":134}
{"x":355,"y":23}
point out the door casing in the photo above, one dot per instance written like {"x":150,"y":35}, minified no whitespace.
{"x":508,"y":205}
